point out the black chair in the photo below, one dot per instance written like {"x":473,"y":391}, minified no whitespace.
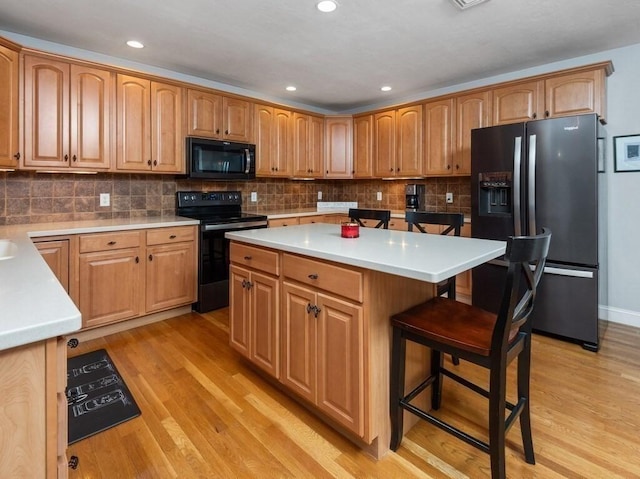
{"x":483,"y":338}
{"x":382,"y":216}
{"x":453,"y":223}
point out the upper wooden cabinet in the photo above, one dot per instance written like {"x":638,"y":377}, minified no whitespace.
{"x":9,"y":150}
{"x":438,"y":136}
{"x":215,"y":116}
{"x":562,"y":94}
{"x":274,"y":141}
{"x":472,"y":111}
{"x":398,"y":142}
{"x":149,"y":126}
{"x":363,"y":146}
{"x":338,"y":159}
{"x":67,"y":115}
{"x":308,"y":146}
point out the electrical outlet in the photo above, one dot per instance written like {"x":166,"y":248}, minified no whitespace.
{"x":254,"y":196}
{"x":319,"y":195}
{"x":105,"y":199}
{"x":379,"y":196}
{"x":449,"y":197}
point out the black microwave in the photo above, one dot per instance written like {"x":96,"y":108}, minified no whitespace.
{"x":220,"y":160}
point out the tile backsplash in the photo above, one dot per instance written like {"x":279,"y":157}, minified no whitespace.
{"x":29,"y":197}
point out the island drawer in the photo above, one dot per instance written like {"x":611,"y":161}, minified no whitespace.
{"x":329,"y":277}
{"x":109,"y":241}
{"x":257,"y":258}
{"x":171,"y":235}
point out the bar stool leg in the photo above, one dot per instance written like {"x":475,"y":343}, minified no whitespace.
{"x":497,"y":433}
{"x":436,"y":387}
{"x":524,"y":369}
{"x":396,"y":387}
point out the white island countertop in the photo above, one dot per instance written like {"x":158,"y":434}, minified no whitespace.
{"x":33,"y":304}
{"x":426,"y":257}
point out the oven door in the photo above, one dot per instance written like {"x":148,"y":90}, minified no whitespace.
{"x":213,"y":264}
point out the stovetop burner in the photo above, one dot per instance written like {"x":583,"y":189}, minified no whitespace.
{"x":214,"y":207}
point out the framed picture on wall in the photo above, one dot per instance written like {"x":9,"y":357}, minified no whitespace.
{"x":626,"y":153}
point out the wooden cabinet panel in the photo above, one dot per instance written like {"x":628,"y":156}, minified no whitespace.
{"x":439,"y":128}
{"x":255,"y":258}
{"x":9,"y":74}
{"x":171,"y":235}
{"x":307,"y":220}
{"x":283,"y":143}
{"x":575,"y":94}
{"x":409,"y":141}
{"x":308,"y":146}
{"x":299,"y":341}
{"x":338,"y":158}
{"x":167,"y":139}
{"x":278,"y":222}
{"x":204,"y":114}
{"x":169,"y":280}
{"x":133,"y":123}
{"x":237,"y":119}
{"x":265,"y":322}
{"x":472,"y":111}
{"x":56,"y":254}
{"x":518,"y":102}
{"x":384,"y":144}
{"x":340,"y":376}
{"x":363,"y":146}
{"x":274,"y":141}
{"x":239,"y":309}
{"x":109,"y":241}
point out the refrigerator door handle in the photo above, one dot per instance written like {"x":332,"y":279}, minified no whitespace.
{"x":517,"y":163}
{"x":575,"y":273}
{"x":532,"y":185}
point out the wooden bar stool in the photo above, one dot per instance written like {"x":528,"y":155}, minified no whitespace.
{"x":382,"y":216}
{"x":483,"y":338}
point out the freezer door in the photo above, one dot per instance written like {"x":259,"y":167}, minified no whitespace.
{"x":567,"y":304}
{"x":563,"y":155}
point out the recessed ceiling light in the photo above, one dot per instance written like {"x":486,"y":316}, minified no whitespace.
{"x":386,"y":88}
{"x":291,"y":88}
{"x":327,"y":6}
{"x":135,"y":44}
{"x":463,"y":4}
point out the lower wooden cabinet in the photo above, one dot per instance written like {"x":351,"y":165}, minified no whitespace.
{"x":33,"y":410}
{"x":56,"y":253}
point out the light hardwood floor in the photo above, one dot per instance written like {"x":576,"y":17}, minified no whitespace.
{"x":206,"y":413}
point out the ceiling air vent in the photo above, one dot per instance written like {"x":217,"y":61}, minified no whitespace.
{"x":464,"y":4}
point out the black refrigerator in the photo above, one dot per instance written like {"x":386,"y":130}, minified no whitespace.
{"x":545,"y":173}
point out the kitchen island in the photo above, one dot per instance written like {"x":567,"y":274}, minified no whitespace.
{"x":311,"y":310}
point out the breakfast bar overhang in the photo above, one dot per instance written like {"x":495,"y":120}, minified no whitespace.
{"x":318,"y":319}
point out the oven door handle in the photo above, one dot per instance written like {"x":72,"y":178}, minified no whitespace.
{"x":235,"y":226}
{"x":247,"y":161}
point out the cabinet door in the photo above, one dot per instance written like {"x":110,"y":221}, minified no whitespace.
{"x":265,"y":139}
{"x":472,"y":111}
{"x":341,"y":362}
{"x":237,"y":119}
{"x":56,"y":254}
{"x":264,"y":326}
{"x":518,"y":103}
{"x":299,"y":341}
{"x":301,"y":145}
{"x":9,"y":152}
{"x":338,"y":157}
{"x":384,"y":144}
{"x":133,"y":123}
{"x":110,"y":286}
{"x":204,"y":112}
{"x":167,"y":139}
{"x":282,"y":159}
{"x":363,"y":146}
{"x":239,"y":310}
{"x":46,"y":112}
{"x":575,"y":94}
{"x":409,"y":141}
{"x":170,"y":278}
{"x":316,"y":147}
{"x":439,"y":136}
{"x":90,"y":114}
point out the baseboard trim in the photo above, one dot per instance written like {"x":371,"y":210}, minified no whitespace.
{"x":108,"y":329}
{"x":622,"y":316}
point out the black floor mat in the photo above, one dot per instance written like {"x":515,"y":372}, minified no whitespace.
{"x":99,"y":398}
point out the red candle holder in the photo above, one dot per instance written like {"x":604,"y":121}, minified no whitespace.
{"x":350,"y":230}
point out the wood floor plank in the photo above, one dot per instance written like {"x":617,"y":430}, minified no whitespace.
{"x":207,"y":413}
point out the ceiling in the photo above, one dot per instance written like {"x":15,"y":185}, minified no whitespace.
{"x":337,"y":61}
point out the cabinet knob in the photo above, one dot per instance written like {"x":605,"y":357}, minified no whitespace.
{"x":74,"y":158}
{"x":155,"y":162}
{"x":73,"y":343}
{"x":150,"y":257}
{"x":313,"y":276}
{"x":17,"y":156}
{"x":172,"y":237}
{"x":248,"y":258}
{"x":137,"y":259}
{"x":457,"y":167}
{"x":73,"y":462}
{"x":448,"y":167}
{"x":327,"y":172}
{"x":534,"y":116}
{"x":217,"y":131}
{"x":546,"y":113}
{"x":149,"y":162}
{"x":398,"y":170}
{"x":226,"y":132}
{"x":66,"y":157}
{"x":391,"y":170}
{"x":111,"y":243}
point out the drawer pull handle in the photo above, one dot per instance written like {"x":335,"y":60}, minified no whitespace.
{"x":73,"y":462}
{"x":313,"y":276}
{"x":150,"y":257}
{"x":248,"y":258}
{"x":111,"y":243}
{"x":172,"y":237}
{"x":73,"y":343}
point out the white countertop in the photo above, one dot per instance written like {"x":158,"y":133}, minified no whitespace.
{"x":33,"y":304}
{"x":425,"y":257}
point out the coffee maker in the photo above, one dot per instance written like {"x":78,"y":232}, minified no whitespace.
{"x":414,"y":197}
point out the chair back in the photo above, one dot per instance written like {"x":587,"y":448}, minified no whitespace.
{"x":418,"y":219}
{"x":526,"y":257}
{"x":382,"y":216}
